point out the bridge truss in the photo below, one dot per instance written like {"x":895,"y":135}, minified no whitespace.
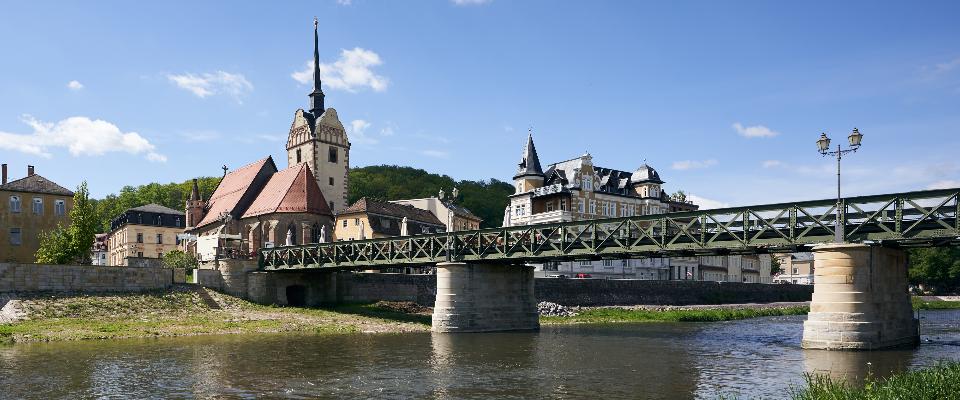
{"x":911,"y":219}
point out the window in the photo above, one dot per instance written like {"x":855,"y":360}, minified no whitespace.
{"x":140,"y":239}
{"x":298,"y":156}
{"x":140,"y":254}
{"x":385,"y":222}
{"x":550,"y":206}
{"x":584,"y":263}
{"x":15,"y":204}
{"x":580,"y":206}
{"x":796,"y":270}
{"x":333,"y":154}
{"x":607,"y":263}
{"x":593,"y":206}
{"x":344,"y":223}
{"x":356,"y":222}
{"x":331,"y":180}
{"x":159,"y":254}
{"x":159,"y":238}
{"x":15,"y":237}
{"x":176,"y":222}
{"x":588,"y":183}
{"x":59,"y":207}
{"x":38,"y":206}
{"x":563,"y":205}
{"x":315,"y":233}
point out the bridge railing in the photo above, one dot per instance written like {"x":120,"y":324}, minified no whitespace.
{"x":912,"y":218}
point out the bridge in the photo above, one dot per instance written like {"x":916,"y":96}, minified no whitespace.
{"x":860,"y":301}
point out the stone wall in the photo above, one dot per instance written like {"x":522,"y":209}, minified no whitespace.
{"x":359,"y":287}
{"x":81,"y":278}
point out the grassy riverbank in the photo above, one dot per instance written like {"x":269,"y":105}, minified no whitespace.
{"x":633,"y":314}
{"x":186,"y":311}
{"x":938,"y":382}
{"x":920,"y":304}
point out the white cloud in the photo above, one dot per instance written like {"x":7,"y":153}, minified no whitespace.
{"x":435,"y":153}
{"x":350,"y":72}
{"x":944,"y":184}
{"x":470,"y":2}
{"x":358,"y":128}
{"x":388,"y":130}
{"x":209,"y":84}
{"x":772,"y":163}
{"x":756,"y":131}
{"x":74,"y":85}
{"x":81,"y":136}
{"x":693,"y":164}
{"x":705,"y":203}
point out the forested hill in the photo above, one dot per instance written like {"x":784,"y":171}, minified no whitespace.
{"x":487,"y":199}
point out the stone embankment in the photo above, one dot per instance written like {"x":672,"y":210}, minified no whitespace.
{"x":548,"y":309}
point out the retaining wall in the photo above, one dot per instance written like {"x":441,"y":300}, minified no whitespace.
{"x":422,"y":289}
{"x":81,"y":278}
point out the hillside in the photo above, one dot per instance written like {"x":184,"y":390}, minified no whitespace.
{"x":486,"y":199}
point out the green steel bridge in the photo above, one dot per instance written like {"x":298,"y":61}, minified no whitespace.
{"x":912,"y":219}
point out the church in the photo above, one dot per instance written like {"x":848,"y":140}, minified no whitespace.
{"x":258,"y":205}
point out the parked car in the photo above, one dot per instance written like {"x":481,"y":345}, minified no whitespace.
{"x":583,"y":276}
{"x":556,"y":276}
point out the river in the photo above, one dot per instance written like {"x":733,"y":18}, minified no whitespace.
{"x":751,"y":358}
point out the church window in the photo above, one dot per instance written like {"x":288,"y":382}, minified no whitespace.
{"x":333,"y":154}
{"x":15,"y":204}
{"x":298,"y":156}
{"x":331,"y":181}
{"x":315,"y":233}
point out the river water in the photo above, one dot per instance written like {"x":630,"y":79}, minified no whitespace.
{"x":749,"y":359}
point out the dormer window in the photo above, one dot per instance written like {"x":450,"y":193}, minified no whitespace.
{"x":587,"y":183}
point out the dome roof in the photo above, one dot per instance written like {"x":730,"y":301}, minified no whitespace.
{"x":645,"y":174}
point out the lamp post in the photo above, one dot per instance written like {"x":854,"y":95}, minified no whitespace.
{"x":823,"y":145}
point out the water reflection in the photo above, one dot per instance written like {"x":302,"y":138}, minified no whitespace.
{"x":854,"y":366}
{"x":748,"y":359}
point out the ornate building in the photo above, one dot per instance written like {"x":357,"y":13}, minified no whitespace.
{"x":576,"y":189}
{"x":318,"y":139}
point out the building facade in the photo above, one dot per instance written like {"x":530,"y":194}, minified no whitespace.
{"x":454,"y":216}
{"x":577,"y":189}
{"x":148,"y":231}
{"x":375,"y":219}
{"x":100,"y":250}
{"x":28,"y":207}
{"x":318,"y":139}
{"x":795,"y":268}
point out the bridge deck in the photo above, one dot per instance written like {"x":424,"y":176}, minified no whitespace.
{"x":922,"y":218}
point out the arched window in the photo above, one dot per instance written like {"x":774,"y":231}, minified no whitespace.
{"x":15,"y":204}
{"x":315,"y":233}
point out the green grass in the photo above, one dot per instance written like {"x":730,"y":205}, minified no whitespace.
{"x":920,"y":304}
{"x":939,"y":382}
{"x":612,"y":315}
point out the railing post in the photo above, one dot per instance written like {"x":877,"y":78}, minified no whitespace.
{"x":793,"y":224}
{"x":898,"y":216}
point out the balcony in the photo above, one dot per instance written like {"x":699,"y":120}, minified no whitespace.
{"x":542,"y":218}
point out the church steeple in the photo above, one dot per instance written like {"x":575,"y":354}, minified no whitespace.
{"x":316,"y":97}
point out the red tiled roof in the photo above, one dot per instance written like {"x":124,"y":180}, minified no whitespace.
{"x":290,"y":191}
{"x":231,"y":189}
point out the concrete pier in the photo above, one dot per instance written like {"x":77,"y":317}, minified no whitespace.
{"x":860,"y":299}
{"x":484,"y":298}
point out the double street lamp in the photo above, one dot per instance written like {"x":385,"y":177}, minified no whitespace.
{"x":823,"y":145}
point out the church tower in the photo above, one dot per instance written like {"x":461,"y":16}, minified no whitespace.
{"x":318,"y":139}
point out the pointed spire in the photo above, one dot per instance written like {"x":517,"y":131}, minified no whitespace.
{"x":316,"y":97}
{"x":195,"y":193}
{"x":530,"y":163}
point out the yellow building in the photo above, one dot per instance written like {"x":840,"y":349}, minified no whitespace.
{"x":143,"y":232}
{"x":29,"y":206}
{"x":374,"y":219}
{"x":455,"y":217}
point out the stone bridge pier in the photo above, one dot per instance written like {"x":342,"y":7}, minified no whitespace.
{"x":478,"y":297}
{"x":860,"y":299}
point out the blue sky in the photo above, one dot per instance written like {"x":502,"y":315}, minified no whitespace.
{"x":725,"y":99}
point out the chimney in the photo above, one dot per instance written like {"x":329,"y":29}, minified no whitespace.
{"x":4,"y":182}
{"x":29,"y":170}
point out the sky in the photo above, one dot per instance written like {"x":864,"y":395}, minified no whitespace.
{"x":724,"y":99}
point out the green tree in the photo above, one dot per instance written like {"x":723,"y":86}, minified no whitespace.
{"x":179,"y":259}
{"x":55,"y":247}
{"x":64,"y":245}
{"x":775,"y":267}
{"x":938,"y":267}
